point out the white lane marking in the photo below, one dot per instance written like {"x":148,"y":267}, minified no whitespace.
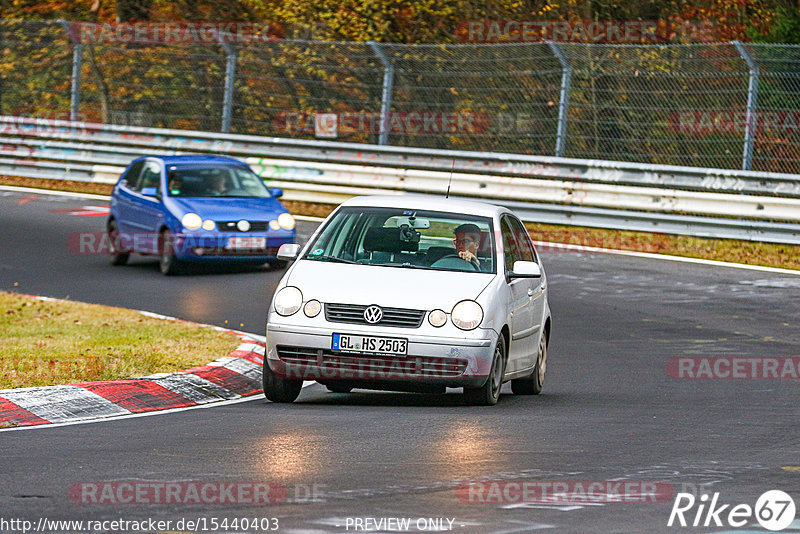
{"x":62,"y":403}
{"x":665,"y":257}
{"x":52,"y":192}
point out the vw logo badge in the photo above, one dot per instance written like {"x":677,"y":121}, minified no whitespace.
{"x":373,"y":314}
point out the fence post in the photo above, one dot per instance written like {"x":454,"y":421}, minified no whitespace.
{"x":752,"y":102}
{"x":230,"y":76}
{"x":386,"y":93}
{"x":77,"y":58}
{"x":563,"y":100}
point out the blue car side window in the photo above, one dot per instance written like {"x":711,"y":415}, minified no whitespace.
{"x":131,"y":178}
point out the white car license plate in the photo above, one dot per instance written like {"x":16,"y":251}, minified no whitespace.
{"x":236,"y":243}
{"x":371,"y":344}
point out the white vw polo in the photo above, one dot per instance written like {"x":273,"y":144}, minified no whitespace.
{"x":411,"y":293}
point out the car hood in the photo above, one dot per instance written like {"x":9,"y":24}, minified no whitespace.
{"x":396,"y":287}
{"x":229,"y":209}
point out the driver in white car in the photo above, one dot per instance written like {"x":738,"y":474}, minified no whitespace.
{"x":467,"y":241}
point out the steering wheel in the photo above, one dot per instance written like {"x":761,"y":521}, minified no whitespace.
{"x":448,"y":259}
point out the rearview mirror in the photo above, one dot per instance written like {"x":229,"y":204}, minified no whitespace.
{"x":413,"y":222}
{"x":150,"y":191}
{"x":524,"y":269}
{"x":288,"y":251}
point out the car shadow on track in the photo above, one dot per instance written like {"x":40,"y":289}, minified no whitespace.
{"x":318,"y":396}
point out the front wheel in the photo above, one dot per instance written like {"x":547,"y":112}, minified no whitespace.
{"x":168,"y":264}
{"x":489,"y":393}
{"x":277,"y":389}
{"x":532,"y":385}
{"x":117,"y":256}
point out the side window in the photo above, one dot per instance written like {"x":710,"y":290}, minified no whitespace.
{"x":524,"y":243}
{"x":132,"y":176}
{"x":509,"y":244}
{"x":151,"y":177}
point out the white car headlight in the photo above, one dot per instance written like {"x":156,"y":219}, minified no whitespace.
{"x":286,"y":221}
{"x":467,"y":315}
{"x":192,"y":221}
{"x":437,"y":318}
{"x":288,"y":301}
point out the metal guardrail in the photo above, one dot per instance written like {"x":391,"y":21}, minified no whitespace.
{"x":630,"y":196}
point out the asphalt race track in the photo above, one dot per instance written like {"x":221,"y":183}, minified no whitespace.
{"x":610,"y":410}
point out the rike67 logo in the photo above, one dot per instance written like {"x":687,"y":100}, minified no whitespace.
{"x":774,"y":510}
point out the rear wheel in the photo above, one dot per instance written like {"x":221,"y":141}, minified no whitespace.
{"x":532,"y":385}
{"x":277,"y":389}
{"x":339,"y":388}
{"x":277,"y":265}
{"x":117,"y":257}
{"x":489,"y":393}
{"x":168,"y":264}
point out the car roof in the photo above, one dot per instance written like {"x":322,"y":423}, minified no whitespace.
{"x":197,"y":159}
{"x":428,"y":202}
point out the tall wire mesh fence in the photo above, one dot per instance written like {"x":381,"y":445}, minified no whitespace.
{"x":710,"y":105}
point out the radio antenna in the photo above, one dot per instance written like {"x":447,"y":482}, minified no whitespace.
{"x":450,"y":180}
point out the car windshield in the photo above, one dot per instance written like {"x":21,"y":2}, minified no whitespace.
{"x":394,"y":237}
{"x":215,"y":181}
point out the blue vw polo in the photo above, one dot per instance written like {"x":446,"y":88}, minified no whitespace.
{"x":196,"y":209}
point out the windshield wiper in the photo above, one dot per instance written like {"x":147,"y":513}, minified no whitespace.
{"x":330,"y":258}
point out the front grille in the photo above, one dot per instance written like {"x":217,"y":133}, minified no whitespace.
{"x":354,"y":314}
{"x":369,"y":366}
{"x":255,"y":226}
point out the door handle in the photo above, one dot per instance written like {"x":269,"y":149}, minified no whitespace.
{"x":530,"y":292}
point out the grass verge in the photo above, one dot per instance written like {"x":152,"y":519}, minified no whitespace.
{"x":730,"y":250}
{"x":60,"y":342}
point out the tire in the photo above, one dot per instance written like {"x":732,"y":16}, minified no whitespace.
{"x":277,"y":389}
{"x":532,"y":385}
{"x":489,"y":393}
{"x":117,"y":257}
{"x":168,"y":264}
{"x":339,"y":388}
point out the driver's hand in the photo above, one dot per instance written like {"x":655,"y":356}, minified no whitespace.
{"x":468,"y":256}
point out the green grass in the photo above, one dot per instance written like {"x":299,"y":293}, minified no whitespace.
{"x":59,"y":342}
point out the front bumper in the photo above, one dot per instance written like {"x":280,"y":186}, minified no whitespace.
{"x":214,"y":247}
{"x":304,"y":352}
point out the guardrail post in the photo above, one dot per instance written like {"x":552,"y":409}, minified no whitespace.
{"x":230,"y":76}
{"x":77,"y":59}
{"x":386,"y":93}
{"x":563,"y":100}
{"x":752,"y":101}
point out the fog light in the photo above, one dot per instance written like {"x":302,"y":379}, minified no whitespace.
{"x":243,"y":226}
{"x":208,"y":225}
{"x":437,"y":318}
{"x":312,"y":308}
{"x":274,"y":225}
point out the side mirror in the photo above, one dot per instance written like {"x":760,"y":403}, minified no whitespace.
{"x":524,"y":269}
{"x":150,"y":192}
{"x":276,"y":192}
{"x":288,"y":251}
